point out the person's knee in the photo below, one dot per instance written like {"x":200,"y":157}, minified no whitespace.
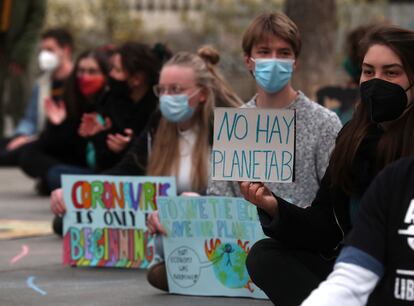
{"x":262,"y":256}
{"x":53,"y":177}
{"x":254,"y":261}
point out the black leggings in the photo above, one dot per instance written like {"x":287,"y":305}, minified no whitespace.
{"x":9,"y":158}
{"x":286,"y":275}
{"x":35,"y":162}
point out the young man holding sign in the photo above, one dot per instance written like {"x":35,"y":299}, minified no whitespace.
{"x":271,"y":46}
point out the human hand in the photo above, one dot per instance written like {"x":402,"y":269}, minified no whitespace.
{"x":118,"y":142}
{"x":18,"y":141}
{"x":154,"y":225}
{"x":57,"y":205}
{"x":55,"y":111}
{"x":259,"y":195}
{"x":90,"y":125}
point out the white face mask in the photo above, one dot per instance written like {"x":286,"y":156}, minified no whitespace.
{"x":48,"y":61}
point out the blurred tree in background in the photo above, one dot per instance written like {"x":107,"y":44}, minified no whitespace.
{"x":317,"y":22}
{"x":222,"y":24}
{"x":188,"y":24}
{"x":95,"y":22}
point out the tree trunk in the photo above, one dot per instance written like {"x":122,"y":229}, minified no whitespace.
{"x":317,"y":22}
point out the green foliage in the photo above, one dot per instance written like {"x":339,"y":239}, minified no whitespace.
{"x":95,"y":22}
{"x":231,"y":17}
{"x":222,"y":23}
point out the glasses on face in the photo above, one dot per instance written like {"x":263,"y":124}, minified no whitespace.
{"x":90,"y":71}
{"x":174,"y":89}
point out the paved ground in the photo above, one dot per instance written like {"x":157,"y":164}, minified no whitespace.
{"x":39,"y":278}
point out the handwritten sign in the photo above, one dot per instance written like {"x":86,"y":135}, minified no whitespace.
{"x":105,"y":222}
{"x":207,"y":242}
{"x":253,"y":145}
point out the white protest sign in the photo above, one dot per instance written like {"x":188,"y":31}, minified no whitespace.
{"x":253,"y":144}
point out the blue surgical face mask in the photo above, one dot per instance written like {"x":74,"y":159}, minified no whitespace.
{"x":272,"y":74}
{"x":175,"y":108}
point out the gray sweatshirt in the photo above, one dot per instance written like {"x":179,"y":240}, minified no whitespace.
{"x":316,"y":131}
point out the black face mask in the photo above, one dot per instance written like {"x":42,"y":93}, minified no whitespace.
{"x":120,"y":88}
{"x":385,"y":100}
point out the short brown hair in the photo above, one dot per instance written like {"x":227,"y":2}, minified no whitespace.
{"x":276,"y":24}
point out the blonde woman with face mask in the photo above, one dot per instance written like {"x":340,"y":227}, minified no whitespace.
{"x":189,"y":88}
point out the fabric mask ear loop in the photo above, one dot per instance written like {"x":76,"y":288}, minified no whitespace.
{"x":188,"y":100}
{"x":252,"y":71}
{"x":194,"y":93}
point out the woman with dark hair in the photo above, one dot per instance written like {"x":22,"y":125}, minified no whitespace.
{"x":121,"y":115}
{"x":130,"y":102}
{"x":304,"y":242}
{"x":60,"y":142}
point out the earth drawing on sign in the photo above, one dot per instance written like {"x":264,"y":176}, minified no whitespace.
{"x":229,"y":262}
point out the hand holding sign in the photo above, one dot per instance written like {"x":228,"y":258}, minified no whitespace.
{"x":154,"y":225}
{"x":259,"y":195}
{"x":253,"y":145}
{"x":57,"y":204}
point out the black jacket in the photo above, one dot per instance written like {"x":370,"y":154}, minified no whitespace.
{"x":124,"y":113}
{"x":322,"y":226}
{"x":135,"y":161}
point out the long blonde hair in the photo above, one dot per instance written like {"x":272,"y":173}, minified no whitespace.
{"x":165,"y":154}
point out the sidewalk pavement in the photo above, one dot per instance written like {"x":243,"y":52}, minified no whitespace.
{"x":31,"y":272}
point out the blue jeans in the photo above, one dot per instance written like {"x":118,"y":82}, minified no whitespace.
{"x":54,"y":174}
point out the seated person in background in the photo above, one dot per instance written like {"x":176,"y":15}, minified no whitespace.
{"x":339,"y":100}
{"x":179,"y":136}
{"x":122,"y":112}
{"x":60,"y":142}
{"x":377,"y":263}
{"x":127,"y":106}
{"x":124,"y":108}
{"x":55,"y":62}
{"x":271,"y":46}
{"x":342,"y":99}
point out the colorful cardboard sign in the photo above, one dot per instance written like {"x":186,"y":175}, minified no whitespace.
{"x":207,"y":242}
{"x":105,"y":222}
{"x":252,"y":144}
